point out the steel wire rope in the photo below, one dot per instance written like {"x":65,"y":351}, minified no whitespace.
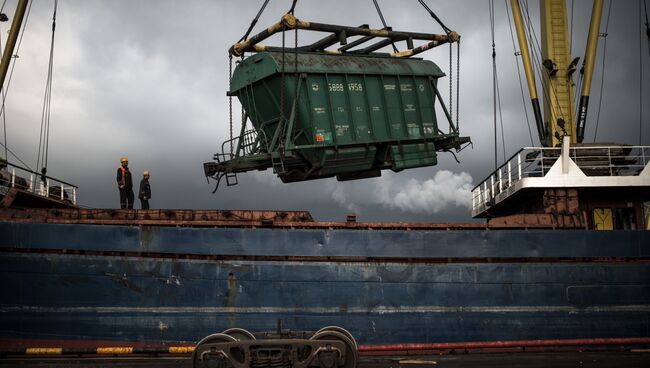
{"x":602,"y":75}
{"x":5,"y":91}
{"x":15,"y":156}
{"x":578,"y":87}
{"x":244,"y":37}
{"x":254,"y":22}
{"x":521,"y":86}
{"x":293,"y":7}
{"x":447,"y":31}
{"x":498,"y":91}
{"x":494,"y":84}
{"x":44,"y":138}
{"x":434,"y":16}
{"x":647,"y":24}
{"x":383,"y":22}
{"x":641,"y":67}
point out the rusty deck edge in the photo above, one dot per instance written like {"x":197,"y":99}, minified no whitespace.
{"x":232,"y":218}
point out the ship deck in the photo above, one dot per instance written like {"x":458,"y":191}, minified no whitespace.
{"x":633,"y":358}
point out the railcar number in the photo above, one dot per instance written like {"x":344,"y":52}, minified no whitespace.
{"x":339,"y":87}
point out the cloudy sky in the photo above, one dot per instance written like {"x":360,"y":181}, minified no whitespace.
{"x":148,"y":78}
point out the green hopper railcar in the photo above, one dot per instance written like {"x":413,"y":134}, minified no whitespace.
{"x":345,"y":115}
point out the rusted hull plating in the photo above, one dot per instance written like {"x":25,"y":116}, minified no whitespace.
{"x":158,"y":284}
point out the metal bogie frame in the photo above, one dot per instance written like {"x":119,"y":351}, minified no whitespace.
{"x":241,"y":354}
{"x":329,"y":347}
{"x":339,"y":33}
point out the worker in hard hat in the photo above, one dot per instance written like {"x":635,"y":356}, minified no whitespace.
{"x":145,"y":190}
{"x":125,"y":184}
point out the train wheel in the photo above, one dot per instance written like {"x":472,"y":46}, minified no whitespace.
{"x":239,"y":334}
{"x":351,"y":355}
{"x":197,"y":360}
{"x":341,"y":330}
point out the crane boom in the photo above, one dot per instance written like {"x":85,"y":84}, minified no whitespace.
{"x":590,"y":56}
{"x":11,"y":40}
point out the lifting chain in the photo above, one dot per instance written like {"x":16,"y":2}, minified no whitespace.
{"x":451,"y":79}
{"x":243,"y":114}
{"x":457,"y":82}
{"x":295,"y":72}
{"x":282,"y":78}
{"x":230,"y":101}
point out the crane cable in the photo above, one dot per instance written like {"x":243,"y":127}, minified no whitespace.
{"x":602,"y":76}
{"x":383,"y":22}
{"x":244,"y":37}
{"x":434,"y":16}
{"x":647,"y":32}
{"x":44,"y":139}
{"x":451,"y":69}
{"x":494,"y":84}
{"x":647,"y":24}
{"x":254,"y":22}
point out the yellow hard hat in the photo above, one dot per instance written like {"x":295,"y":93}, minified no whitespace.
{"x":145,"y":173}
{"x":124,"y":159}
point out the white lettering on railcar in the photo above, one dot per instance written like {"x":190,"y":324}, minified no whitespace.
{"x":335,"y":87}
{"x":341,"y":129}
{"x":355,"y":87}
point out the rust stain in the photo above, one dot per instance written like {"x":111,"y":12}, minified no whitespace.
{"x":231,"y":300}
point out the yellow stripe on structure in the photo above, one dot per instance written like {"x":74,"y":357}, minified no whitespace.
{"x":116,"y":350}
{"x":43,"y":351}
{"x":181,"y":349}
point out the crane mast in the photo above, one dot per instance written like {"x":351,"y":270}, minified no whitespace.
{"x":556,"y":56}
{"x":557,"y":71}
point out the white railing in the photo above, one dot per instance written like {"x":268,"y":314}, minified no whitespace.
{"x":13,"y":176}
{"x":537,"y":161}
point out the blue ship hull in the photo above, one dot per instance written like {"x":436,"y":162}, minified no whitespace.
{"x":170,"y":284}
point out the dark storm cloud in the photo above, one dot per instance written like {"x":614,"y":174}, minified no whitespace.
{"x":147,"y":79}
